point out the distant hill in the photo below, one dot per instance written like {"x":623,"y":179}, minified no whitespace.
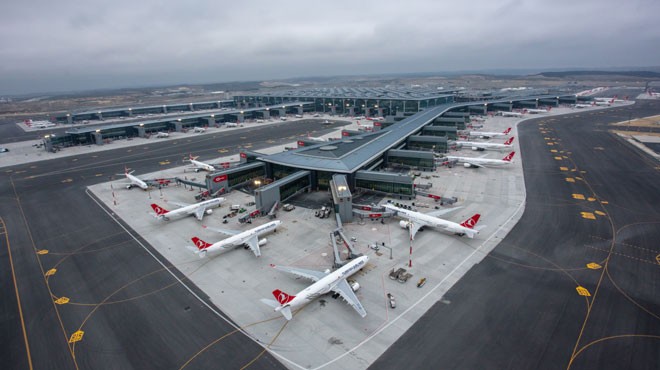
{"x":562,"y":74}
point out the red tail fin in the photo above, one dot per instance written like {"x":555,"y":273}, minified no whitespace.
{"x":470,"y":222}
{"x":507,"y":130}
{"x":159,"y":211}
{"x":509,"y":157}
{"x":508,"y":142}
{"x":200,"y":244}
{"x":282,"y":297}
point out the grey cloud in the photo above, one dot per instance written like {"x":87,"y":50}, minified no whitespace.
{"x":76,"y":45}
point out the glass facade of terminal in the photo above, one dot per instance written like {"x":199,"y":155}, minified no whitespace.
{"x":426,"y":163}
{"x":280,"y":172}
{"x":247,"y":174}
{"x":287,"y":190}
{"x":385,"y":187}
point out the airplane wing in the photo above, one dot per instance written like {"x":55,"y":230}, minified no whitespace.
{"x":304,"y":273}
{"x":414,"y":226}
{"x":440,"y":212}
{"x":253,"y":243}
{"x":223,"y":231}
{"x":344,"y":290}
{"x":475,"y":164}
{"x":199,"y":212}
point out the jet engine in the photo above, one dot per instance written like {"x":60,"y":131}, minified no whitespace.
{"x":263,"y":241}
{"x":404,"y":224}
{"x":209,"y":211}
{"x":477,"y":148}
{"x":467,"y":165}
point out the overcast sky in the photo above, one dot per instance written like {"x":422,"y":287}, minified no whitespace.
{"x":58,"y":45}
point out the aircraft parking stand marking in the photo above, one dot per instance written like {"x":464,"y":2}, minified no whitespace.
{"x":588,"y":215}
{"x":76,"y":336}
{"x":62,"y":300}
{"x":42,"y":251}
{"x":51,"y":272}
{"x":593,"y":266}
{"x":583,"y":291}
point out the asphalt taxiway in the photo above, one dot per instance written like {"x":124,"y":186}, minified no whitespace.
{"x":91,"y":293}
{"x":575,"y":283}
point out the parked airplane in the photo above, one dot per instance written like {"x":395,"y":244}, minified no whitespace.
{"x":417,"y":220}
{"x":604,"y":102}
{"x":199,"y":129}
{"x":134,"y":181}
{"x":38,"y":124}
{"x":483,"y":146}
{"x":611,"y":100}
{"x":363,"y":127}
{"x":200,"y":166}
{"x":231,"y":124}
{"x":510,"y":114}
{"x":535,"y":111}
{"x":483,"y":162}
{"x":197,"y":209}
{"x":319,"y":139}
{"x":236,"y":238}
{"x":583,"y":105}
{"x":488,"y":135}
{"x":324,"y":282}
{"x":162,"y":135}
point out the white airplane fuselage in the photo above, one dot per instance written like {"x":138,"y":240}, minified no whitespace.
{"x":327,"y":283}
{"x":187,"y":210}
{"x":136,"y":182}
{"x":486,"y":162}
{"x":239,"y":239}
{"x":439,"y":223}
{"x":477,"y":146}
{"x":202,"y":166}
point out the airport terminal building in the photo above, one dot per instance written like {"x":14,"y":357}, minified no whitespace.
{"x":410,"y":127}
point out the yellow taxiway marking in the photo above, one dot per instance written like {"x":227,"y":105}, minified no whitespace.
{"x":657,"y":258}
{"x":67,"y":180}
{"x":578,"y":196}
{"x":62,"y":300}
{"x":558,"y":158}
{"x":546,"y":138}
{"x":51,"y":272}
{"x":565,"y":157}
{"x":33,"y":166}
{"x":76,"y":336}
{"x":604,"y":202}
{"x":570,"y":179}
{"x":98,"y":175}
{"x":74,"y":160}
{"x":591,"y":199}
{"x":588,"y":215}
{"x":247,"y":146}
{"x":42,"y":251}
{"x":578,"y":178}
{"x":222,"y":150}
{"x":162,"y":163}
{"x":550,"y":143}
{"x":593,"y":266}
{"x":583,"y":291}
{"x":129,"y":150}
{"x":563,"y":168}
{"x":600,"y":213}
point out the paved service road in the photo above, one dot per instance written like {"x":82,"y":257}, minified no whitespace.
{"x":576,"y":284}
{"x":91,"y":294}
